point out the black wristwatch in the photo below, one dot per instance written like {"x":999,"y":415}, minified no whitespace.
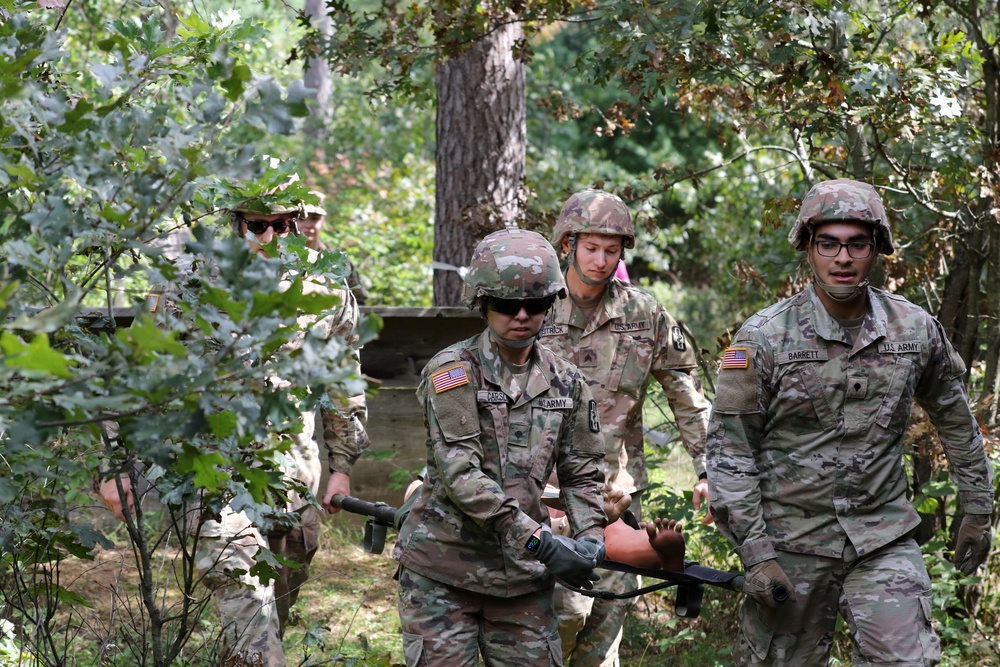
{"x":533,"y":543}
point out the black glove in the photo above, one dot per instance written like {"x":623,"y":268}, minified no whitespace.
{"x":768,"y":584}
{"x":594,"y":547}
{"x":973,"y":544}
{"x":571,"y":561}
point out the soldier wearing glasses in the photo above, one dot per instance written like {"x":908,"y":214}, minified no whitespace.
{"x":477,"y":556}
{"x":805,"y":451}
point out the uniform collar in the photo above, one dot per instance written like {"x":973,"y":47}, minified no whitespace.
{"x":609,"y":308}
{"x":873,"y":327}
{"x":495,"y":372}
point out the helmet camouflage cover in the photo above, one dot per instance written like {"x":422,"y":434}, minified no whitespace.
{"x":594,"y":212}
{"x":315,"y":209}
{"x":513,"y":264}
{"x":273,"y":202}
{"x":841,"y":200}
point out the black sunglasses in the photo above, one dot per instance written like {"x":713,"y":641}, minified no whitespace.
{"x":512,"y":307}
{"x":281,"y":226}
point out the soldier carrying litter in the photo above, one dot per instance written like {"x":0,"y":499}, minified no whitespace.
{"x":806,"y":444}
{"x":477,"y":555}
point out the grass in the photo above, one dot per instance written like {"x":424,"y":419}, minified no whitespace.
{"x":347,"y":611}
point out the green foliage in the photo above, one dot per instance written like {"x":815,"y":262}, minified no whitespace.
{"x":121,"y":144}
{"x":12,"y":655}
{"x":382,"y":215}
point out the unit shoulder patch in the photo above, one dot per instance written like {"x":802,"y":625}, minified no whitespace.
{"x":593,"y":420}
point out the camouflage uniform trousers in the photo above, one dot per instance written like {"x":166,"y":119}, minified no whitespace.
{"x":299,"y":545}
{"x":446,"y":626}
{"x":250,"y":629}
{"x":591,"y":629}
{"x":885,"y":598}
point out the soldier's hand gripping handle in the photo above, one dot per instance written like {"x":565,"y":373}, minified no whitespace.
{"x":768,"y":584}
{"x":973,"y":545}
{"x":569,"y":560}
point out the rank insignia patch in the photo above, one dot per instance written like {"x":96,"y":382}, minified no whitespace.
{"x":449,"y":378}
{"x":735,"y":357}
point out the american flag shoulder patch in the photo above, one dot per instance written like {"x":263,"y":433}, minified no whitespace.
{"x":449,"y":378}
{"x":735,"y":357}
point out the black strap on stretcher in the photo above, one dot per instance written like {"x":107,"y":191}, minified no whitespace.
{"x":690,"y":584}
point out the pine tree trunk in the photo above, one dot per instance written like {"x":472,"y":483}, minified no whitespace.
{"x":480,"y":152}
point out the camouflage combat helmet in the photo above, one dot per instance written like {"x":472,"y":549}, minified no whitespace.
{"x":315,"y":209}
{"x":842,"y":200}
{"x":274,"y":201}
{"x":594,"y":212}
{"x":264,"y":207}
{"x":513,"y":264}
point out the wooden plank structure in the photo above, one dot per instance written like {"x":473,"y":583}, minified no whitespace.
{"x":409,"y":338}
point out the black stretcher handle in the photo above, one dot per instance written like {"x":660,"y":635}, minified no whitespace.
{"x":696,"y":574}
{"x":380,"y":511}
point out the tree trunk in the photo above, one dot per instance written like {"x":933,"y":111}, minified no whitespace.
{"x":992,"y":354}
{"x":480,"y":152}
{"x":317,"y":74}
{"x":990,"y":181}
{"x":953,"y":308}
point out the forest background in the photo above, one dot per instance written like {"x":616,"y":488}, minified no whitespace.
{"x":427,"y":125}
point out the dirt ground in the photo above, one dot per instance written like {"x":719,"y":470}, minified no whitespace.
{"x":346,"y":614}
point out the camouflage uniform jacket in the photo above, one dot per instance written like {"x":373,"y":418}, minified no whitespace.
{"x":491,"y":446}
{"x":805,"y":446}
{"x":631,"y":337}
{"x":342,"y":429}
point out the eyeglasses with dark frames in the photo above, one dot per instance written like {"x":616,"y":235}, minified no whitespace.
{"x":856,"y":249}
{"x":512,"y":307}
{"x":280,"y":226}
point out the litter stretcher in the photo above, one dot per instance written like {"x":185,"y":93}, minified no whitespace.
{"x":690,"y":583}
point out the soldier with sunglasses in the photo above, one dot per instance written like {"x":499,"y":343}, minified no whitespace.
{"x":255,"y":614}
{"x":806,"y":447}
{"x":619,"y":337}
{"x":476,"y":552}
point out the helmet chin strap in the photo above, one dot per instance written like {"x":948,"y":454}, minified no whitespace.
{"x":519,"y":344}
{"x":576,"y":267}
{"x":844,"y":293}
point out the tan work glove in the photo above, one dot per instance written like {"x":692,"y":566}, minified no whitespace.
{"x":768,"y":584}
{"x":973,"y":545}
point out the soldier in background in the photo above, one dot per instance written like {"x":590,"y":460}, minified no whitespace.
{"x":476,"y":552}
{"x":253,"y":614}
{"x":311,"y":225}
{"x":618,"y":336}
{"x":806,"y":445}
